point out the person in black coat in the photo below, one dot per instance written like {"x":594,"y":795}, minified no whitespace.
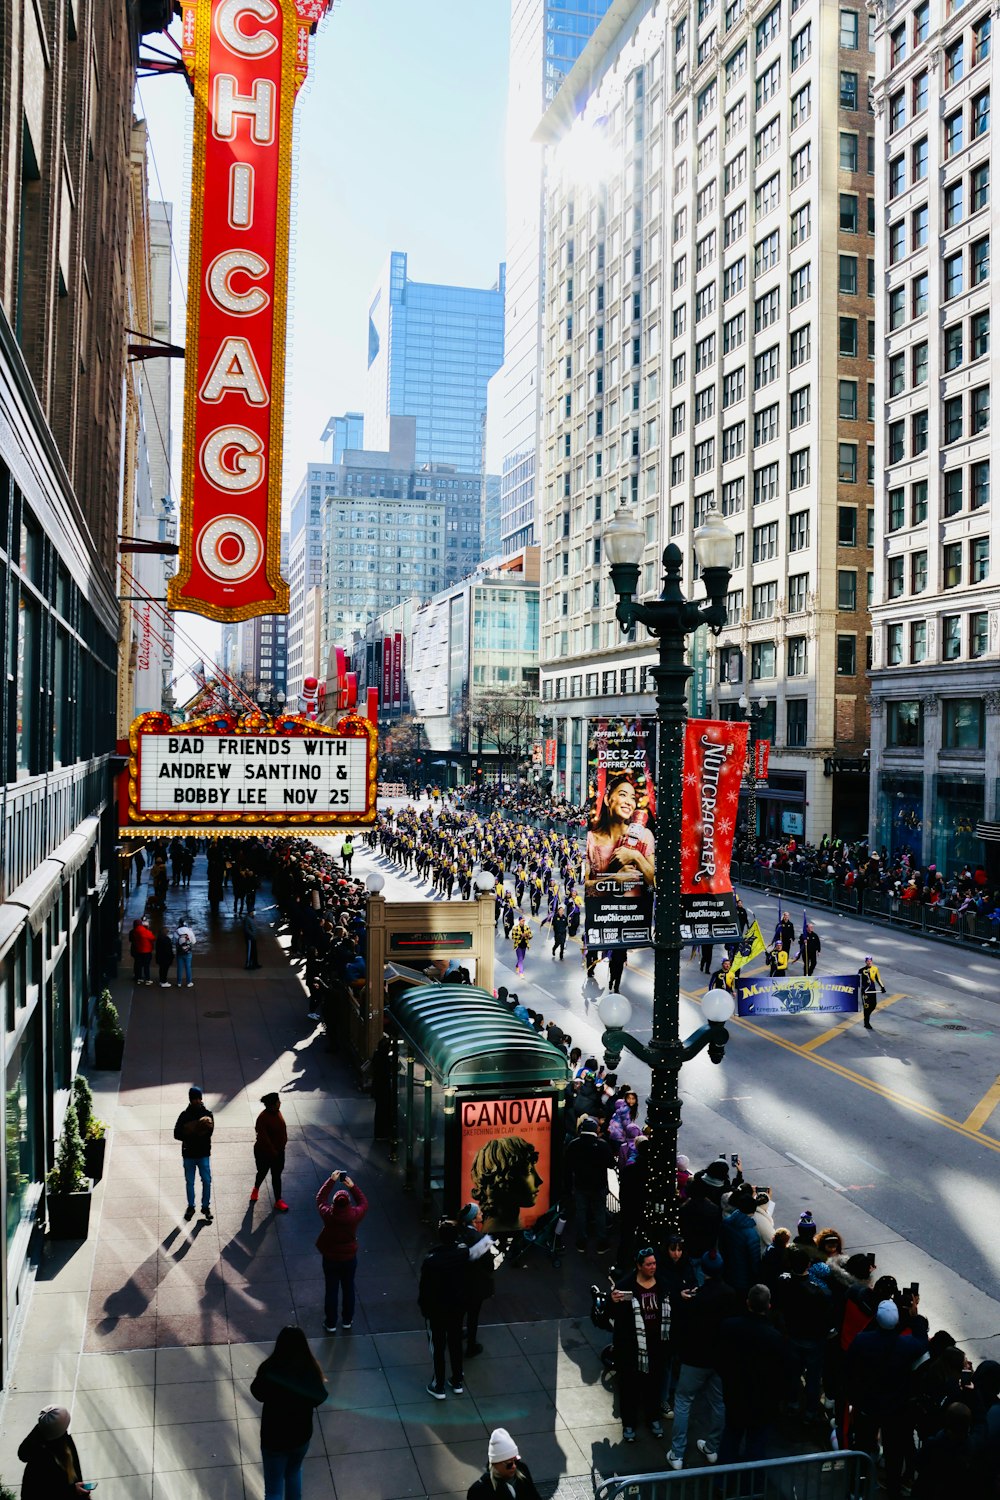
{"x":759,"y":1369}
{"x":585,"y":1168}
{"x":52,"y":1464}
{"x":289,"y":1385}
{"x":641,"y":1303}
{"x":444,"y":1278}
{"x":506,"y":1474}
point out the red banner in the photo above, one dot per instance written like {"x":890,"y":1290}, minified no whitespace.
{"x":245,"y":61}
{"x":550,"y":752}
{"x":387,"y":671}
{"x":397,"y":670}
{"x":762,"y":755}
{"x":714,"y":756}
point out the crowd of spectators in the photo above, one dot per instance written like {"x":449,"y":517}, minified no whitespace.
{"x":854,"y":866}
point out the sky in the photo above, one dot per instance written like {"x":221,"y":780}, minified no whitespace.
{"x":400,"y":147}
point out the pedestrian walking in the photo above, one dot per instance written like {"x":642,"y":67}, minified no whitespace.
{"x":347,"y":854}
{"x":184,"y":941}
{"x":194,"y":1131}
{"x":705,"y":961}
{"x":617,"y":959}
{"x":142,"y":942}
{"x":52,"y":1464}
{"x":289,"y":1385}
{"x":442,"y":1297}
{"x":164,"y":955}
{"x":269,"y":1149}
{"x":250,"y":934}
{"x":481,"y":1269}
{"x":641,"y":1339}
{"x":785,"y":931}
{"x":342,"y":1205}
{"x":560,"y":927}
{"x":869,"y":978}
{"x":506,"y":1474}
{"x":140,"y":865}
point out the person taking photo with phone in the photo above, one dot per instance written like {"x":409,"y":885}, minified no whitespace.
{"x":342,"y":1205}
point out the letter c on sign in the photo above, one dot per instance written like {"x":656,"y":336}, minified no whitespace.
{"x":231,"y":459}
{"x":232,"y":35}
{"x":220,"y":277}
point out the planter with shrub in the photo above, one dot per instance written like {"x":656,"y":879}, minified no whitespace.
{"x":67,"y":1191}
{"x":109,"y":1042}
{"x":93,"y":1130}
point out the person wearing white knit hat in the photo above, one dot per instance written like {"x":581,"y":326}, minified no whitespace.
{"x":52,"y":1464}
{"x":506,"y":1476}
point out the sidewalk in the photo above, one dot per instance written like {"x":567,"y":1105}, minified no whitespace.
{"x":152,"y":1330}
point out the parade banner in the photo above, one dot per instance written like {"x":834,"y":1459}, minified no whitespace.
{"x":397,"y":671}
{"x":245,"y":62}
{"x":762,"y":756}
{"x":220,"y":775}
{"x":824,"y":995}
{"x":550,"y":752}
{"x":714,"y":758}
{"x":619,"y":863}
{"x":506,"y":1160}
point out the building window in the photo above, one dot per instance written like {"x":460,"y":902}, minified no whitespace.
{"x":848,"y":274}
{"x":904,"y":720}
{"x":952,"y":569}
{"x":848,"y":90}
{"x":918,"y":571}
{"x":953,"y":498}
{"x":953,"y":419}
{"x":796,"y":722}
{"x":963,"y":724}
{"x":978,"y":633}
{"x":847,"y":589}
{"x":849,"y":213}
{"x":762,"y":660}
{"x":896,"y":510}
{"x":894,"y":645}
{"x":847,"y":525}
{"x":798,"y":592}
{"x":918,"y":502}
{"x":951,"y":637}
{"x":979,"y":484}
{"x":979,"y":559}
{"x":847,"y":463}
{"x":895,"y":577}
{"x":918,"y":641}
{"x":797,"y":656}
{"x":848,"y":338}
{"x":979,"y":183}
{"x":847,"y":656}
{"x":980,"y":261}
{"x":763,"y":600}
{"x":980,"y":114}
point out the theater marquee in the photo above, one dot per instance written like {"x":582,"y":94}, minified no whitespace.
{"x":246,"y":60}
{"x":220,"y":775}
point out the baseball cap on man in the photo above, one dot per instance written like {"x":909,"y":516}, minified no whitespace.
{"x":887,"y":1315}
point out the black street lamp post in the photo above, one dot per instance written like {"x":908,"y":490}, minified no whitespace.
{"x":670,"y":618}
{"x":270,"y":702}
{"x":754,"y":712}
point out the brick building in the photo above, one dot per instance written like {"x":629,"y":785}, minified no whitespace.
{"x":67,"y":74}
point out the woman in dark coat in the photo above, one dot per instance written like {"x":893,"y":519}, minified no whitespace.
{"x":163,"y":952}
{"x":52,"y":1464}
{"x":642,"y":1332}
{"x":289,"y":1385}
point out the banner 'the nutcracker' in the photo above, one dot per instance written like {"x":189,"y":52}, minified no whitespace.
{"x":246,"y":60}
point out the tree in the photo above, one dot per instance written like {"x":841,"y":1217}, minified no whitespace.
{"x":506,"y":719}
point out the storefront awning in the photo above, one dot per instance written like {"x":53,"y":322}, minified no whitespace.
{"x":466,"y":1036}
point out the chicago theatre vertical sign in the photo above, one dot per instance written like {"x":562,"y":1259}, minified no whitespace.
{"x":246,"y":60}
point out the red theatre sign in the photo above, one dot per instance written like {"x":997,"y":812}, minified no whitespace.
{"x":246,"y":60}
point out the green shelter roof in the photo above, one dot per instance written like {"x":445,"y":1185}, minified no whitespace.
{"x":466,"y":1036}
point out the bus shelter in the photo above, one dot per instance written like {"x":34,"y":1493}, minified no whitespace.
{"x":479,"y":1105}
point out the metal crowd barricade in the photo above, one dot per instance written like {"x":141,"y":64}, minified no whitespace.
{"x":963,"y":928}
{"x":813,"y":1476}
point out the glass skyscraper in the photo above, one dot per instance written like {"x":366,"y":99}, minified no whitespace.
{"x":546,"y":38}
{"x":431,"y":352}
{"x":342,"y":433}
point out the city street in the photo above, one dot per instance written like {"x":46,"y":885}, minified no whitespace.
{"x":891,"y":1136}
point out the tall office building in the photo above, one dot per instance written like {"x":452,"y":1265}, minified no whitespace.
{"x":392,"y":528}
{"x":305,"y":558}
{"x":709,"y":338}
{"x":342,"y":433}
{"x":431,"y":352}
{"x":263,"y":649}
{"x":935,"y":679}
{"x":546,"y":38}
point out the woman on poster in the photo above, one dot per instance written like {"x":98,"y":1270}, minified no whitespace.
{"x":617,"y":845}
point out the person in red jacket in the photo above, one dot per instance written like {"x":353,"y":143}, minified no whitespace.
{"x":142,"y":942}
{"x":338,"y":1244}
{"x":269,"y":1149}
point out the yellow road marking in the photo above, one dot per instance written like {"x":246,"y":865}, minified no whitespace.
{"x":984,"y":1108}
{"x":969,"y":1132}
{"x":846,"y":1024}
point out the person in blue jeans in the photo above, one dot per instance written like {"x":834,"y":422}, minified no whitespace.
{"x":194,"y":1129}
{"x":289,"y":1385}
{"x":706,"y":1307}
{"x":342,"y":1205}
{"x":184,"y":941}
